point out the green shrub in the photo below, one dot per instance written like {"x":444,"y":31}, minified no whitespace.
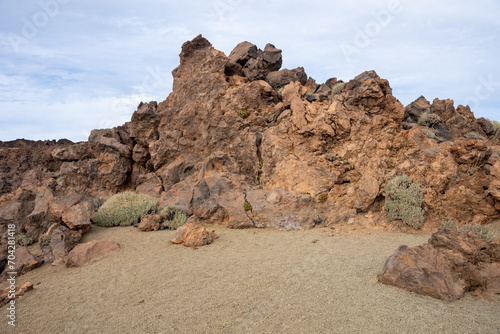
{"x":337,"y":89}
{"x":244,"y":113}
{"x":279,"y":92}
{"x":124,"y":209}
{"x":44,"y":240}
{"x":428,"y":119}
{"x":330,"y":157}
{"x":480,"y":230}
{"x":496,"y":124}
{"x":174,"y":216}
{"x":404,"y":201}
{"x":471,"y":135}
{"x":247,"y":206}
{"x":322,"y":198}
{"x":24,"y":240}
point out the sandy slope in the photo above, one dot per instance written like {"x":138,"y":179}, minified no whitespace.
{"x":248,"y":281}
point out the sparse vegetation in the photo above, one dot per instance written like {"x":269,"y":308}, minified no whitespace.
{"x":124,"y":209}
{"x":337,"y":89}
{"x":174,"y":216}
{"x":471,"y":135}
{"x":24,"y":240}
{"x":247,"y":206}
{"x":330,"y":157}
{"x":496,"y":124}
{"x":404,"y":201}
{"x":44,"y":240}
{"x":244,"y":113}
{"x":428,"y":119}
{"x":481,"y":231}
{"x":322,"y":198}
{"x":279,"y":92}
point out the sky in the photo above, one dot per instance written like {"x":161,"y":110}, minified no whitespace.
{"x":70,"y":66}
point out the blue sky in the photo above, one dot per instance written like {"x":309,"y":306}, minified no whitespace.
{"x":70,"y":66}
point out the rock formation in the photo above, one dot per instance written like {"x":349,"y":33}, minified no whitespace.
{"x":450,"y":264}
{"x":239,"y":130}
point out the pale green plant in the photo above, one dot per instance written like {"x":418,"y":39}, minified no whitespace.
{"x":174,"y":216}
{"x":428,"y":119}
{"x":124,"y":209}
{"x":337,"y":89}
{"x":404,"y":200}
{"x":471,"y":135}
{"x":24,"y":240}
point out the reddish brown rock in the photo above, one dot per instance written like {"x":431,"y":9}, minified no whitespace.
{"x":193,"y":234}
{"x":62,"y":240}
{"x":494,"y":186}
{"x":150,"y":223}
{"x":445,"y":268}
{"x":24,"y":261}
{"x":6,"y":295}
{"x":91,"y":251}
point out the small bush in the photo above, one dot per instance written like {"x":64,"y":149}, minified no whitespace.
{"x":174,"y":216}
{"x":480,"y":230}
{"x":244,"y":113}
{"x":471,"y":135}
{"x":337,"y":89}
{"x":404,"y":201}
{"x":428,"y":119}
{"x":496,"y":124}
{"x":44,"y":240}
{"x":247,"y":206}
{"x":279,"y":92}
{"x":24,"y":240}
{"x":124,"y":209}
{"x":322,"y":198}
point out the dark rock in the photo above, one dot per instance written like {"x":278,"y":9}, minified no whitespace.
{"x":486,"y":126}
{"x":283,"y":77}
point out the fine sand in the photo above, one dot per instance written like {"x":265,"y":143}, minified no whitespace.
{"x":248,"y":281}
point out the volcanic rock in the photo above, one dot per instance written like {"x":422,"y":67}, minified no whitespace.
{"x":24,"y":262}
{"x":193,"y":234}
{"x":445,"y":268}
{"x":90,"y":252}
{"x":19,"y":290}
{"x":150,"y":223}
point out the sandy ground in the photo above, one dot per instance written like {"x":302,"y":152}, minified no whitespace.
{"x":248,"y":281}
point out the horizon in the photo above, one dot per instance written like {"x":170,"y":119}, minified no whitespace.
{"x":68,"y":68}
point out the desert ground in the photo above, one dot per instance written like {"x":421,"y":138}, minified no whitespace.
{"x":247,"y":281}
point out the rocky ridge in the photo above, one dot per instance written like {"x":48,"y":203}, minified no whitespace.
{"x":237,"y":129}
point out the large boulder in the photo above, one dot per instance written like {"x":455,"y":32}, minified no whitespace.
{"x":283,"y":77}
{"x":62,"y":240}
{"x":91,"y":251}
{"x":445,"y":268}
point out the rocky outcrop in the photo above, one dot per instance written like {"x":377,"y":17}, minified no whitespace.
{"x":24,"y":262}
{"x":91,"y":251}
{"x":235,"y":130}
{"x":448,"y":266}
{"x":193,"y":234}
